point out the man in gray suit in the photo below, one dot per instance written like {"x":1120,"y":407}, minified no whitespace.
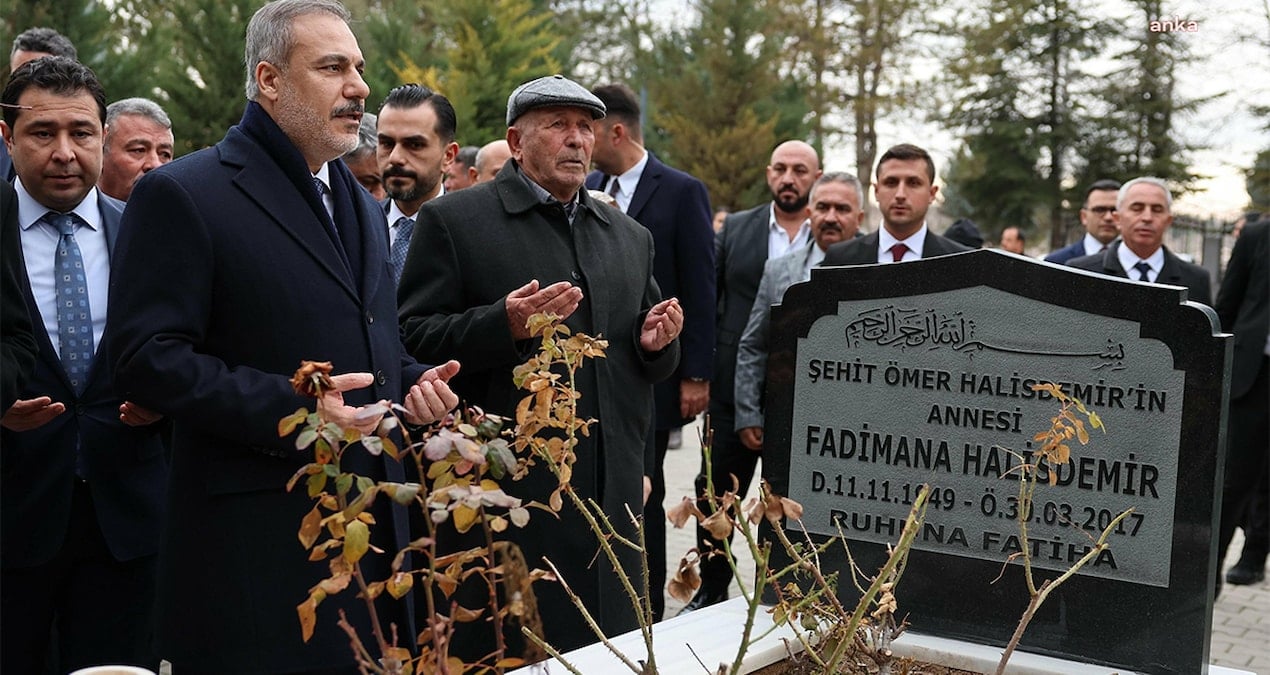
{"x":905,"y":188}
{"x":836,"y":213}
{"x":1144,"y":212}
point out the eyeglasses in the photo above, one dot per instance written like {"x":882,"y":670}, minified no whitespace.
{"x":1102,"y":210}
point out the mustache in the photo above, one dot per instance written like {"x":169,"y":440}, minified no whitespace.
{"x":355,"y":108}
{"x":400,"y":172}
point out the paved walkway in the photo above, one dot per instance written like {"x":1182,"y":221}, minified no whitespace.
{"x":1241,"y":619}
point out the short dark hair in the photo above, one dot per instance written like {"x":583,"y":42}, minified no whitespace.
{"x":413,"y":95}
{"x":906,"y":152}
{"x":44,"y":40}
{"x":1017,"y":230}
{"x":1100,"y":185}
{"x":56,"y":74}
{"x":621,"y":102}
{"x":467,"y":155}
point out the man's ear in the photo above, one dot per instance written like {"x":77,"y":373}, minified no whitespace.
{"x":267,"y":76}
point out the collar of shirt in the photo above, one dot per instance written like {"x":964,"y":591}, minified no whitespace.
{"x":914,"y":243}
{"x":1092,"y":245}
{"x":778,"y":241}
{"x":627,"y":182}
{"x":324,"y":174}
{"x":543,"y":196}
{"x":1128,"y":259}
{"x":30,"y":211}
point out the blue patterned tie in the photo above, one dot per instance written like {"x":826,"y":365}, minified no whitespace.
{"x":74,"y":317}
{"x":400,"y":245}
{"x":1143,"y":267}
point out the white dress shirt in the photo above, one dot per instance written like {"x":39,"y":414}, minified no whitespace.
{"x":1128,"y":259}
{"x":915,"y":242}
{"x":1092,"y":245}
{"x":778,"y":241}
{"x":626,"y":184}
{"x":39,"y":246}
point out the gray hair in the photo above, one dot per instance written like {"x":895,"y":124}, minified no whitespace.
{"x":840,"y":177}
{"x":269,"y":35}
{"x":367,"y":137}
{"x":1149,"y":180}
{"x":141,"y":107}
{"x":467,"y":155}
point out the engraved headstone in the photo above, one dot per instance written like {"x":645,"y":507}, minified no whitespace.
{"x":883,"y":378}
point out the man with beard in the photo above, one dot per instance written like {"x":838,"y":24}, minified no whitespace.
{"x":748,"y":239}
{"x":235,"y":263}
{"x":416,"y":143}
{"x":836,"y":213}
{"x":905,"y":188}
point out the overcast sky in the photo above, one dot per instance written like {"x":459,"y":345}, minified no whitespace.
{"x":1232,"y":57}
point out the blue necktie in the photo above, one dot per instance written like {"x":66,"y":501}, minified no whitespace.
{"x":74,"y":317}
{"x":1143,"y":267}
{"x":400,"y":245}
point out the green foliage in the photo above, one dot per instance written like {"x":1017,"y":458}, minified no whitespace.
{"x":491,"y":46}
{"x":720,"y":101}
{"x":201,"y":78}
{"x":395,"y":35}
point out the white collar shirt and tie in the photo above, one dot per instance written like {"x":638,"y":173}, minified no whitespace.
{"x":622,"y":188}
{"x":913,"y":246}
{"x":1138,"y":269}
{"x":69,"y":276}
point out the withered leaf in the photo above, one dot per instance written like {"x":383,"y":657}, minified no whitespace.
{"x":356,"y":541}
{"x":310,"y":528}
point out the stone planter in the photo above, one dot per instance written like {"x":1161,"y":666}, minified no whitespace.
{"x":714,"y":635}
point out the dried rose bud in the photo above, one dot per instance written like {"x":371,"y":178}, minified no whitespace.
{"x":312,"y":379}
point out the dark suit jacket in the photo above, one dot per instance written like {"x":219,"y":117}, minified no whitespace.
{"x":469,"y":250}
{"x":1243,"y":303}
{"x":740,"y":251}
{"x":675,"y":207}
{"x":864,"y":250}
{"x":125,"y":466}
{"x":1062,"y":255}
{"x":1176,"y":271}
{"x":17,"y":341}
{"x":226,"y":278}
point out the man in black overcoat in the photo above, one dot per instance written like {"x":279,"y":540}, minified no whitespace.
{"x":482,"y":261}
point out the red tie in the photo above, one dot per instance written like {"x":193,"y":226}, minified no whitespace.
{"x":897,"y":252}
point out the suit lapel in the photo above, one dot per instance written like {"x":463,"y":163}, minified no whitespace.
{"x":1111,"y":261}
{"x":648,"y":182}
{"x":264,"y":183}
{"x":1170,"y":271}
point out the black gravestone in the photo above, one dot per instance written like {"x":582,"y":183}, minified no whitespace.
{"x":885,"y":377}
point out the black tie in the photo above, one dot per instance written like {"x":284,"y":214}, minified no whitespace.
{"x":1142,"y":268}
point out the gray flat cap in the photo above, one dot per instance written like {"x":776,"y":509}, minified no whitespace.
{"x":553,"y":90}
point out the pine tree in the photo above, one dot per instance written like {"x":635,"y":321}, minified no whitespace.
{"x":491,"y":47}
{"x":721,"y":99}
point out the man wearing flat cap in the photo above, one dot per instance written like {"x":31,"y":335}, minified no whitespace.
{"x":483,"y":260}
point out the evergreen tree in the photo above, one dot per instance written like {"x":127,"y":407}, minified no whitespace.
{"x":1257,"y":182}
{"x":1021,"y":66}
{"x":395,"y":36}
{"x":722,"y":98}
{"x":491,"y":47}
{"x":112,"y":43}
